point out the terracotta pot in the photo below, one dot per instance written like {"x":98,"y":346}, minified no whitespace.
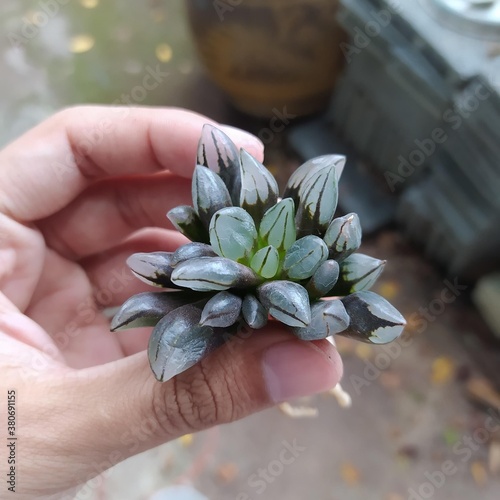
{"x":270,"y":54}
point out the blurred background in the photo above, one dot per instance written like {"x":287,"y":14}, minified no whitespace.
{"x":409,"y":90}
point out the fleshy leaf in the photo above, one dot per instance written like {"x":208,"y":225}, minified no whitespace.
{"x":217,"y":152}
{"x":358,"y":272}
{"x":147,"y":308}
{"x":343,"y":236}
{"x":313,"y":187}
{"x":222,"y":310}
{"x":328,"y":317}
{"x":373,"y":319}
{"x":265,"y":262}
{"x":233,"y":233}
{"x":153,"y":268}
{"x":213,"y":274}
{"x":254,"y":313}
{"x":192,"y":251}
{"x":259,"y":189}
{"x":323,"y":279}
{"x":304,"y":257}
{"x":296,"y":180}
{"x":179,"y":342}
{"x":209,"y":194}
{"x":186,"y":221}
{"x":286,"y":301}
{"x":277,"y":227}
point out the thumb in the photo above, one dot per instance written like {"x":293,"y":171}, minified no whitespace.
{"x":133,"y":412}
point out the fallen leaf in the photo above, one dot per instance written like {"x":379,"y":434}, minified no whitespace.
{"x":451,"y":436}
{"x":350,"y":474}
{"x":89,"y":4}
{"x":443,"y":370}
{"x":479,"y":473}
{"x":389,"y":289}
{"x":164,"y":52}
{"x":227,"y":472}
{"x":363,"y":351}
{"x":81,"y":43}
{"x":186,"y":440}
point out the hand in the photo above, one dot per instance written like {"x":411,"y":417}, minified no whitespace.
{"x":78,"y":194}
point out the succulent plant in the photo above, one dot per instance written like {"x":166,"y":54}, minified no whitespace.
{"x":253,"y":256}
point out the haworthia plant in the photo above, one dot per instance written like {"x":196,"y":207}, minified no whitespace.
{"x":253,"y":257}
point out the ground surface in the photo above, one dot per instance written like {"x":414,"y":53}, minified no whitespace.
{"x":411,"y":418}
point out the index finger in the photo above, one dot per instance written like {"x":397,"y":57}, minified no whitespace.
{"x":50,"y":165}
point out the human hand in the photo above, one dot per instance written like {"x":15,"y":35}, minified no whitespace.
{"x":79,"y":194}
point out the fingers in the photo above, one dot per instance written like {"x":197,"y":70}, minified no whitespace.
{"x":107,"y":213}
{"x":49,"y":166}
{"x":247,"y":375}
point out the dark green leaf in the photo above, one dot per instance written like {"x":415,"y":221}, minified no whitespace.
{"x":259,"y":189}
{"x":217,"y":152}
{"x":254,"y":313}
{"x":147,"y":308}
{"x":222,"y":310}
{"x":323,"y":279}
{"x":192,"y":251}
{"x":153,"y":268}
{"x":209,"y":194}
{"x":186,"y":221}
{"x":373,"y":319}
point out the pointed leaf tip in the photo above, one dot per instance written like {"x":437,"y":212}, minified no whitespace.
{"x":217,"y":152}
{"x":222,"y":310}
{"x":259,"y":189}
